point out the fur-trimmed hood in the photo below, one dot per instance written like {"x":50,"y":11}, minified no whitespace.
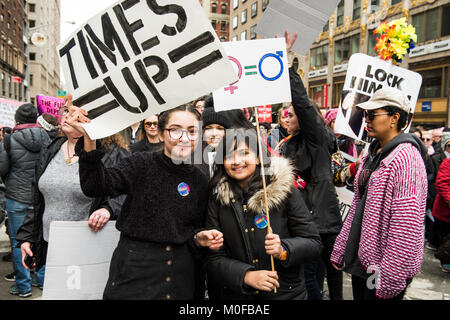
{"x":282,"y":174}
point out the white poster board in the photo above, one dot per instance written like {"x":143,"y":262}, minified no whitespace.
{"x":345,"y":198}
{"x":8,"y":109}
{"x":365,"y":75}
{"x":263,"y":75}
{"x":139,"y":58}
{"x":78,"y":261}
{"x":306,"y":17}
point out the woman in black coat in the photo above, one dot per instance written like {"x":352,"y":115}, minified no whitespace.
{"x":240,"y":270}
{"x":162,"y":218}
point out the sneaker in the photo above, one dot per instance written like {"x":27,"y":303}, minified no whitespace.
{"x":11,"y":277}
{"x":445,"y":268}
{"x":7,"y":257}
{"x":430,"y":247}
{"x":15,"y":291}
{"x":36,"y":284}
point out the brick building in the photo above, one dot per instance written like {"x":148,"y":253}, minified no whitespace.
{"x":218,"y":12}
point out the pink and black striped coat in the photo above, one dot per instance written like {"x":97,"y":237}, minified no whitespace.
{"x":392,"y":234}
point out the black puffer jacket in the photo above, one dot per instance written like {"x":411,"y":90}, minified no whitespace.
{"x":32,"y":228}
{"x":243,"y":248}
{"x":19,"y":165}
{"x":309,"y":149}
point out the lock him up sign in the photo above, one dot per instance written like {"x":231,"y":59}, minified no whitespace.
{"x":142,"y":57}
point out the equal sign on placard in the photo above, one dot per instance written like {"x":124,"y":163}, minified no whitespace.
{"x":251,"y":70}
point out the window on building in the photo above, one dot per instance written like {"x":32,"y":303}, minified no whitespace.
{"x":244,"y":1}
{"x":265,"y":3}
{"x":356,"y":9}
{"x":244,"y":35}
{"x":235,"y":38}
{"x":214,"y":8}
{"x":244,"y":16}
{"x":445,"y":28}
{"x":235,"y":4}
{"x":31,"y":80}
{"x":3,"y":51}
{"x":371,"y":43}
{"x":427,"y":25}
{"x":235,"y":22}
{"x":223,"y":26}
{"x":253,"y":32}
{"x":340,"y":13}
{"x":223,"y":39}
{"x":345,"y":48}
{"x":9,"y":87}
{"x":20,"y":91}
{"x":214,"y":24}
{"x":3,"y":84}
{"x":434,"y":83}
{"x":316,"y":93}
{"x":32,"y":56}
{"x":326,"y":27}
{"x":337,"y":94}
{"x":254,"y":9}
{"x":224,"y":8}
{"x":32,"y":7}
{"x":395,"y":2}
{"x":374,"y":5}
{"x":318,"y":57}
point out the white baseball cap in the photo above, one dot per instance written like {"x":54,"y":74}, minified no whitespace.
{"x":387,"y":97}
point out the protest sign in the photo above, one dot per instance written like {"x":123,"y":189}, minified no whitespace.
{"x":138,"y":58}
{"x":263,"y":76}
{"x":8,"y":109}
{"x":345,"y":198}
{"x":306,"y":17}
{"x":78,"y":260}
{"x":365,"y":75}
{"x":265,"y":114}
{"x":50,"y":105}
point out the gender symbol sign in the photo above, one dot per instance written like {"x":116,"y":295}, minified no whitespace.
{"x":141,"y":57}
{"x":263,"y":76}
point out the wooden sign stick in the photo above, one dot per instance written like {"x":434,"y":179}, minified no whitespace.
{"x":261,"y":159}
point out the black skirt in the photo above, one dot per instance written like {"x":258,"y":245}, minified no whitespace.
{"x":142,"y":270}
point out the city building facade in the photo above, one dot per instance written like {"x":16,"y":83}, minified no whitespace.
{"x":12,"y":50}
{"x":350,"y":30}
{"x":44,"y":70}
{"x":218,"y":12}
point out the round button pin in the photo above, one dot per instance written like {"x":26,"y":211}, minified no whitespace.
{"x":183,"y":189}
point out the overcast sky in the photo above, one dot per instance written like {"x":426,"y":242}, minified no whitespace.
{"x":79,"y":11}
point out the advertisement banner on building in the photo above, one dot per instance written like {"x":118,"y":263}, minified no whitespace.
{"x":50,"y":105}
{"x":365,"y":75}
{"x":263,"y":75}
{"x":8,"y":109}
{"x":139,"y":58}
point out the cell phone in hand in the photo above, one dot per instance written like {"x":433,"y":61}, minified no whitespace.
{"x":30,"y":262}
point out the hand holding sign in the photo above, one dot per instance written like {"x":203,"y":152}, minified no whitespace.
{"x":76,"y":116}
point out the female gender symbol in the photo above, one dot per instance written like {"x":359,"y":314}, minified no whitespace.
{"x":231,"y":88}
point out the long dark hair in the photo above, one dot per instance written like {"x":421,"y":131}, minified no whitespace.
{"x":229,"y":144}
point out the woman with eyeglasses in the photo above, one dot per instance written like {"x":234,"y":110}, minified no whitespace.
{"x":382,"y":241}
{"x":150,"y":140}
{"x":162,"y":219}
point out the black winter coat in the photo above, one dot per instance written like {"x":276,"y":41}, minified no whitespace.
{"x":309,"y":149}
{"x":19,"y":165}
{"x":32,"y":228}
{"x":243,"y":248}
